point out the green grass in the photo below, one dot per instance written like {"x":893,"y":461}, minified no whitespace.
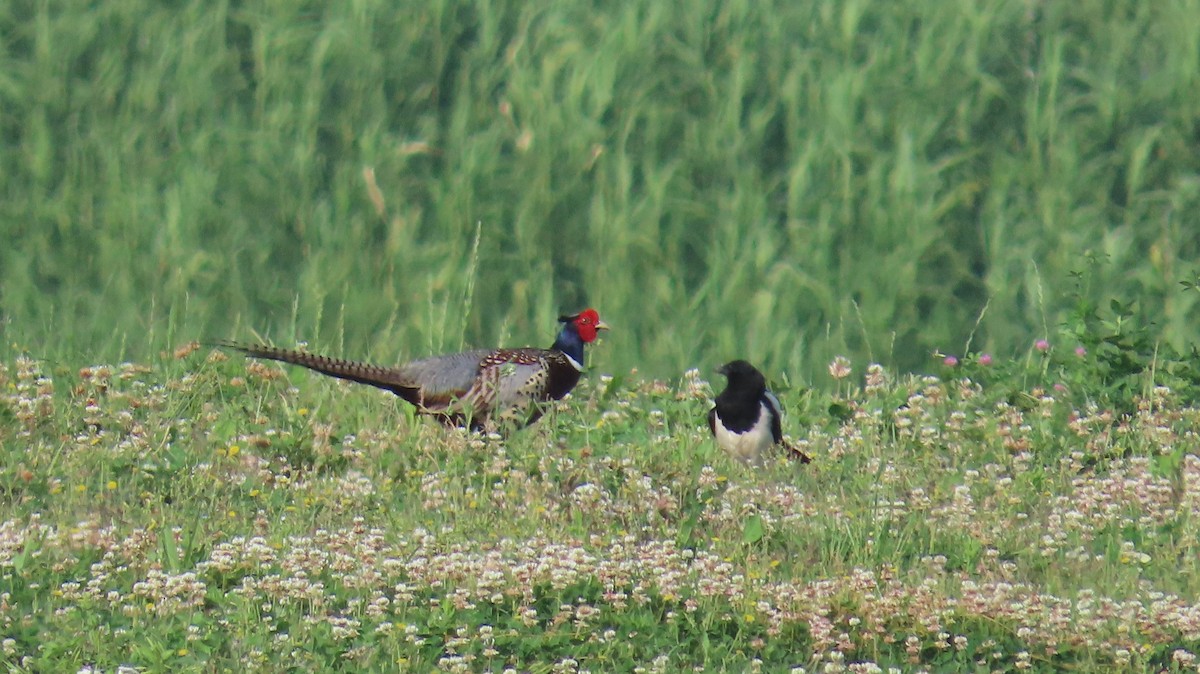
{"x":210,"y":513}
{"x":781,"y":181}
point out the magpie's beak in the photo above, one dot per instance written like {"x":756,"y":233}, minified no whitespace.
{"x":723,"y":369}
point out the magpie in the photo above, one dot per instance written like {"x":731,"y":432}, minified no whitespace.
{"x":747,"y":418}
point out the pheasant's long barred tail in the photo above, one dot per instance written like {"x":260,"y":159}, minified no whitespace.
{"x":313,"y":361}
{"x":389,"y":379}
{"x":469,"y":388}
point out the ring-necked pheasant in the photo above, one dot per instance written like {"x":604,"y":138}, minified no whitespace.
{"x":473,"y":387}
{"x":747,"y":418}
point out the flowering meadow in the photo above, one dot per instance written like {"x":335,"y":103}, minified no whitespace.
{"x":209,"y":513}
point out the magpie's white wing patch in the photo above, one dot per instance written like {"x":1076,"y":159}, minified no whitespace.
{"x":773,"y":403}
{"x":776,"y":410}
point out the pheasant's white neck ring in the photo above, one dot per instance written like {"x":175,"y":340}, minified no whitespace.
{"x":574,"y":363}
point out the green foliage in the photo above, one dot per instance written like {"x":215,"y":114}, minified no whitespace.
{"x":782,"y":181}
{"x":206,"y":515}
{"x":1111,"y":356}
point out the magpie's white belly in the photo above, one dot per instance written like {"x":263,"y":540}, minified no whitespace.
{"x":748,"y":446}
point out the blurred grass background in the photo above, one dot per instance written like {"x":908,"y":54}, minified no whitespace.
{"x":777,"y":180}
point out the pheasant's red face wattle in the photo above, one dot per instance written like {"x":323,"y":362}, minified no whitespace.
{"x":587,"y":323}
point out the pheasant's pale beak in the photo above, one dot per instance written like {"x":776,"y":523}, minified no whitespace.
{"x":601,"y":325}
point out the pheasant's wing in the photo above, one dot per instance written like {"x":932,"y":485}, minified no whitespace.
{"x":444,"y":379}
{"x":511,"y":378}
{"x":391,"y":379}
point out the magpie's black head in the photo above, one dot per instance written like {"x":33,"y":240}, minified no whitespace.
{"x":743,"y":376}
